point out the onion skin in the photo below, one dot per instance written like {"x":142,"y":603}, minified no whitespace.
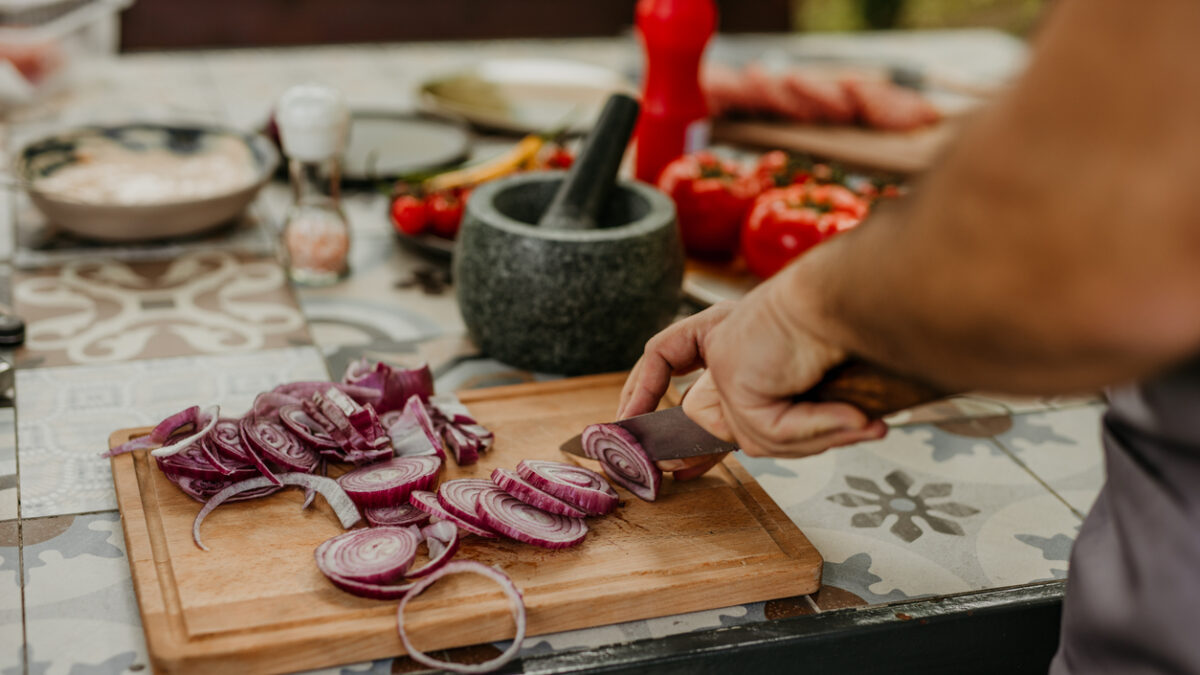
{"x":341,"y":504}
{"x":428,"y":502}
{"x":575,"y":485}
{"x":517,"y":520}
{"x":623,"y":459}
{"x":516,"y":486}
{"x":390,"y":483}
{"x":515,"y":599}
{"x":372,"y":555}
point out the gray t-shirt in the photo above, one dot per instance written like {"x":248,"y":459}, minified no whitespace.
{"x":1133,"y":592}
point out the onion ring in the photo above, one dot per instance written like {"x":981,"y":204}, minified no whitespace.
{"x":372,"y":555}
{"x":391,"y":482}
{"x":515,"y":519}
{"x":341,"y":504}
{"x":623,"y":459}
{"x":574,"y":485}
{"x":518,"y":487}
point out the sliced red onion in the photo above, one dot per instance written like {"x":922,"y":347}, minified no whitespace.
{"x":395,"y":514}
{"x":209,"y":415}
{"x":428,"y":502}
{"x":226,"y":437}
{"x":305,"y":427}
{"x":575,"y":485}
{"x":391,"y":482}
{"x":441,"y":538}
{"x":273,"y":442}
{"x":412,"y":433}
{"x":395,"y":385}
{"x":371,"y":591}
{"x":372,"y":555}
{"x":516,"y":486}
{"x":515,"y":519}
{"x":461,"y":498}
{"x":213,"y":455}
{"x":464,"y":448}
{"x":510,"y":590}
{"x":193,"y":462}
{"x":267,"y":404}
{"x":202,"y":490}
{"x":623,"y":459}
{"x":341,"y":504}
{"x":305,"y":390}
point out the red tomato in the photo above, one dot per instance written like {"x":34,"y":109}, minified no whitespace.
{"x":785,"y":222}
{"x":445,"y":213}
{"x":711,"y":199}
{"x":560,"y":158}
{"x":409,"y":215}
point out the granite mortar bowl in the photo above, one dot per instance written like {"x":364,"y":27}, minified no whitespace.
{"x":566,"y":301}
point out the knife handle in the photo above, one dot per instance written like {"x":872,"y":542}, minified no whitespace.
{"x":871,"y":389}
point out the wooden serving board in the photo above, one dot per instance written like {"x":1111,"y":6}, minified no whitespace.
{"x":257,"y":603}
{"x":901,"y":152}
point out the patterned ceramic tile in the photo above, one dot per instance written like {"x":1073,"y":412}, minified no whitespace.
{"x":93,"y":312}
{"x":8,"y":464}
{"x":11,"y":624}
{"x":1063,"y":448}
{"x":77,"y":584}
{"x":905,"y":516}
{"x":65,"y":415}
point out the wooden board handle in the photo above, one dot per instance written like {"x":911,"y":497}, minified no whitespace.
{"x":871,"y":389}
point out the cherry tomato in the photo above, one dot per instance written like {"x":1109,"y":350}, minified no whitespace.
{"x":409,"y":215}
{"x":445,"y":213}
{"x":786,"y":222}
{"x":560,"y":158}
{"x":711,"y":199}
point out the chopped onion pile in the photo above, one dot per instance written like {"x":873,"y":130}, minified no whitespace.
{"x":575,"y":485}
{"x":388,"y":484}
{"x":463,"y":436}
{"x":623,"y":459}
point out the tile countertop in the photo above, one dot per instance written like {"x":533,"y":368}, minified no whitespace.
{"x":967,"y":495}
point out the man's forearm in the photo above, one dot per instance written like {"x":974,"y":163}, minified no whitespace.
{"x":1057,"y":247}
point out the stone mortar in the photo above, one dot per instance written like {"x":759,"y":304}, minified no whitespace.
{"x":567,"y":302}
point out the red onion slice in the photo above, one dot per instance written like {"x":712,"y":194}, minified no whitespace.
{"x":390,"y":482}
{"x":267,"y":404}
{"x":428,"y":502}
{"x":412,"y":433}
{"x":341,"y":504}
{"x":305,"y":427}
{"x":193,"y":462}
{"x":210,"y":413}
{"x":370,"y":591}
{"x":372,"y":555}
{"x":441,"y":538}
{"x":461,"y":498}
{"x":395,"y":385}
{"x":226,"y":437}
{"x":202,"y":490}
{"x":273,"y":442}
{"x":395,"y":514}
{"x":516,"y":486}
{"x":305,"y":390}
{"x":514,"y":598}
{"x":623,"y":459}
{"x":574,"y":485}
{"x":515,"y":519}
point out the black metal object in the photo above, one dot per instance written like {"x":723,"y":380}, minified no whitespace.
{"x":1007,"y":631}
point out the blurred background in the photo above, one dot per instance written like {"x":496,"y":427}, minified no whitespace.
{"x":182,"y":24}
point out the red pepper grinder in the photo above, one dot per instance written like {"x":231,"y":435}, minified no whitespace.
{"x":674,"y":119}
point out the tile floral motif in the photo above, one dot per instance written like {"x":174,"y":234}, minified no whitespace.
{"x":906,"y":505}
{"x":92,"y":312}
{"x":1043,"y":529}
{"x":66,"y":414}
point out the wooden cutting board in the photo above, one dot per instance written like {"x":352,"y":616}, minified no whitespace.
{"x":257,"y":603}
{"x":901,"y":152}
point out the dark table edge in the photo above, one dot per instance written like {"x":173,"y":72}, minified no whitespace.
{"x":1007,"y":630}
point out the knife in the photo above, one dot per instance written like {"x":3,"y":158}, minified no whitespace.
{"x":669,"y":434}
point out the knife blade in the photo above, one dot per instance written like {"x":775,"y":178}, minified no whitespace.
{"x":669,"y":434}
{"x":664,"y":434}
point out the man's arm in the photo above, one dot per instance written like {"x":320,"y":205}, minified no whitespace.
{"x":1057,"y":246}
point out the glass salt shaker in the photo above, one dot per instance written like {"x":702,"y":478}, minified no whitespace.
{"x":314,"y":122}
